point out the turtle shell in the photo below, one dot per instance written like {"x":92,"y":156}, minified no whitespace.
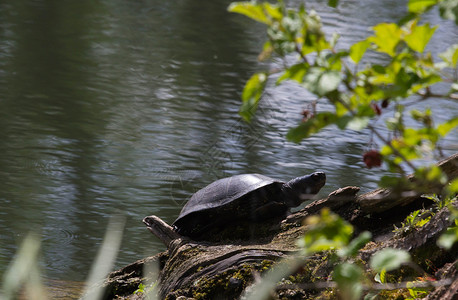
{"x":218,"y":195}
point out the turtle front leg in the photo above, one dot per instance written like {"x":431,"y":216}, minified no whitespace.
{"x":161,"y":229}
{"x":270,"y":210}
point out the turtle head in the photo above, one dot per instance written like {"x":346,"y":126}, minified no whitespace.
{"x":302,"y":188}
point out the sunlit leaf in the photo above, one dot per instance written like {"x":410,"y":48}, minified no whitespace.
{"x":445,"y":128}
{"x":295,"y":72}
{"x":358,"y":49}
{"x":419,"y":37}
{"x":454,"y":87}
{"x":422,"y":222}
{"x":334,"y":60}
{"x":341,"y":110}
{"x":252,"y":10}
{"x":320,"y":81}
{"x":334,"y":39}
{"x":425,"y":82}
{"x":432,"y":174}
{"x":448,"y":9}
{"x":252,"y":94}
{"x":333,"y":3}
{"x":389,"y":259}
{"x":315,"y":43}
{"x":452,"y":188}
{"x":383,"y":276}
{"x":420,"y":6}
{"x":311,"y":126}
{"x":358,"y":123}
{"x":355,"y":245}
{"x":387,"y":36}
{"x":267,"y":51}
{"x":449,"y":238}
{"x":450,"y":56}
{"x":273,"y":10}
{"x":326,"y":231}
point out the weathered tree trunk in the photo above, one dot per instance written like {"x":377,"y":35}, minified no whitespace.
{"x":223,"y":270}
{"x":382,"y":200}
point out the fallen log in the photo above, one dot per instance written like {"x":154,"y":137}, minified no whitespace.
{"x":381,"y":200}
{"x":225,"y":268}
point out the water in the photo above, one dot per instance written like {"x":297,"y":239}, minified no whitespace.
{"x":127,"y":108}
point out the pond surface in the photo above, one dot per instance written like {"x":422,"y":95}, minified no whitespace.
{"x":116,"y":107}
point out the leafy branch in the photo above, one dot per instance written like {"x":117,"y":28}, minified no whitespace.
{"x":361,"y":94}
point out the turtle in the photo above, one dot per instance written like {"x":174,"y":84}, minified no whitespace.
{"x":245,"y":197}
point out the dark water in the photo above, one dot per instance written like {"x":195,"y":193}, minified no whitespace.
{"x":128,"y":107}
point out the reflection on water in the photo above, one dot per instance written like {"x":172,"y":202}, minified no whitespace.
{"x":129,"y":107}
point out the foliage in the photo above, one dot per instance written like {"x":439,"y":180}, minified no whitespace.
{"x":329,"y":232}
{"x":325,"y":232}
{"x":361,"y":93}
{"x":450,"y":237}
{"x":389,"y":259}
{"x":414,"y":220}
{"x":419,"y":218}
{"x":141,"y":289}
{"x":331,"y":236}
{"x":25,"y":275}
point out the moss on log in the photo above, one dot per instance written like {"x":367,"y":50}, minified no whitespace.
{"x":223,"y":269}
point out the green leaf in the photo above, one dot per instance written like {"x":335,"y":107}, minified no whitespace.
{"x":450,"y":56}
{"x":321,"y":81}
{"x":419,"y":37}
{"x":445,"y":128}
{"x":383,"y":276}
{"x":333,"y":3}
{"x":326,"y":231}
{"x":431,"y":174}
{"x":311,"y":126}
{"x":251,"y":95}
{"x":349,"y":280}
{"x":453,"y":88}
{"x":448,"y":9}
{"x":449,"y":238}
{"x":420,"y":6}
{"x":358,"y":123}
{"x":357,"y":50}
{"x":273,"y":10}
{"x":251,"y":10}
{"x":452,"y":188}
{"x":295,"y":72}
{"x":389,"y":259}
{"x":141,"y":289}
{"x":267,"y":51}
{"x":380,"y":277}
{"x":387,"y":36}
{"x":355,"y":245}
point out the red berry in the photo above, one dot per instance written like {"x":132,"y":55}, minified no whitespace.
{"x":306,"y":115}
{"x":372,"y":158}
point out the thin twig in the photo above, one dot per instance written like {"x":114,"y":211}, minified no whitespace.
{"x":298,"y":50}
{"x":321,"y":285}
